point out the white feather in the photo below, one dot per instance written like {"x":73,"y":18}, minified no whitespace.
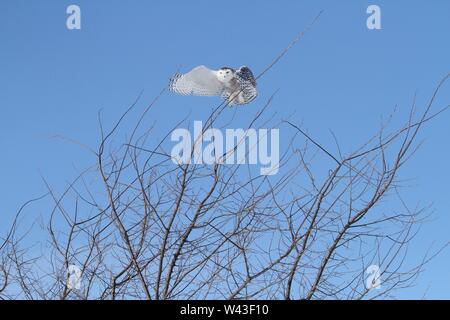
{"x":199,"y":81}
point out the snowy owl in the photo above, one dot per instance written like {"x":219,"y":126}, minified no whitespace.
{"x":234,"y":86}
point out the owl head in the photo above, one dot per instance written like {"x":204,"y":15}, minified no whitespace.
{"x":225,"y":74}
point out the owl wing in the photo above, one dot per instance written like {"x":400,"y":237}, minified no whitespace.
{"x":247,"y":85}
{"x":200,"y":81}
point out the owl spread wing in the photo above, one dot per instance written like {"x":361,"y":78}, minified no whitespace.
{"x":247,"y":85}
{"x":200,"y":81}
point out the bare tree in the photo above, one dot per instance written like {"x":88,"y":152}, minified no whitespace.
{"x":139,"y":226}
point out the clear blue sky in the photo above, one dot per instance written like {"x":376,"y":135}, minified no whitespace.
{"x":341,"y":76}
